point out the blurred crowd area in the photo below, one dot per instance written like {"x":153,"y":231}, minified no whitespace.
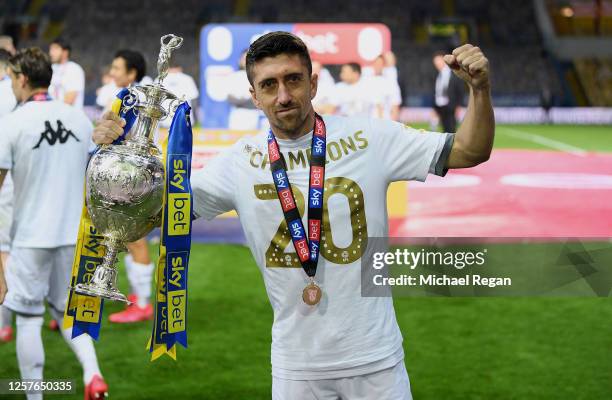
{"x":524,"y":73}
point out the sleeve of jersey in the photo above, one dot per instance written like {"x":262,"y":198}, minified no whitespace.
{"x":411,"y":154}
{"x":76,"y":81}
{"x":213,"y":187}
{"x":6,"y":155}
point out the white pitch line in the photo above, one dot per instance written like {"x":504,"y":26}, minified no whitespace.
{"x":555,"y":144}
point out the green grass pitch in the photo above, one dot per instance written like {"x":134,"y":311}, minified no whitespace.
{"x":456,"y":348}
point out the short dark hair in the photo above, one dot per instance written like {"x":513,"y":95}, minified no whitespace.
{"x":34,"y":64}
{"x":61,"y":42}
{"x":354,"y":66}
{"x":133,"y":60}
{"x":273,"y":44}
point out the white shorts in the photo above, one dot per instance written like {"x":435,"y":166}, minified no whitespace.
{"x":388,"y":384}
{"x":34,"y":275}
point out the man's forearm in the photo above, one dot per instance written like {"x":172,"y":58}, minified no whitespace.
{"x":475,"y":135}
{"x":70,"y":97}
{"x":395,"y":110}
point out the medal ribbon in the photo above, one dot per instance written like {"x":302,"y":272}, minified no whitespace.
{"x":170,"y":320}
{"x":307,"y":248}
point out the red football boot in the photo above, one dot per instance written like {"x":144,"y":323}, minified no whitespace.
{"x":6,"y":334}
{"x":96,"y":389}
{"x":53,"y":325}
{"x":133,"y":313}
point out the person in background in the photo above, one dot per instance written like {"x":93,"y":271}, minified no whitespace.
{"x":7,"y":104}
{"x":183,"y":86}
{"x":388,"y":92}
{"x":68,"y":82}
{"x":352,"y":97}
{"x":106,"y":93}
{"x":448,"y":94}
{"x":129,"y":67}
{"x":390,"y":70}
{"x":323,"y":102}
{"x":44,"y":143}
{"x":243,"y":114}
{"x":7,"y":98}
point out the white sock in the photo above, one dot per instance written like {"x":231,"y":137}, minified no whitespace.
{"x":83,"y":348}
{"x":30,"y":352}
{"x":6,"y":317}
{"x":128,"y":260}
{"x":140,"y":277}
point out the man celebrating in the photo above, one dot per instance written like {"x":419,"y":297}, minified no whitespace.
{"x":7,"y":104}
{"x":44,"y":143}
{"x":308,"y":207}
{"x":68,"y":82}
{"x":128,"y":68}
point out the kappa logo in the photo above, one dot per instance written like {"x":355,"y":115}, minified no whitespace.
{"x":60,"y":135}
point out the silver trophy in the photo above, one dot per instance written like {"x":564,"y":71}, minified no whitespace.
{"x":125,"y":182}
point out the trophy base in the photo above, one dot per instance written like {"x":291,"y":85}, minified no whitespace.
{"x":91,"y":290}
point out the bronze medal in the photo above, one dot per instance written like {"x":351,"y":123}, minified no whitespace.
{"x":311,"y":294}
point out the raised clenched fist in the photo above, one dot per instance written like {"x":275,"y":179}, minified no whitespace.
{"x":471,"y":65}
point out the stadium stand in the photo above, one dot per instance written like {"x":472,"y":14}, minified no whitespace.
{"x":596,"y":78}
{"x":506,"y":30}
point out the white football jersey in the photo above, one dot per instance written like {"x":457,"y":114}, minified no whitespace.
{"x":68,"y":77}
{"x":356,"y":100}
{"x":387,"y":94}
{"x":182,"y":86}
{"x":7,"y":97}
{"x":45,"y":145}
{"x":346,"y":331}
{"x":106,"y":95}
{"x":7,"y":104}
